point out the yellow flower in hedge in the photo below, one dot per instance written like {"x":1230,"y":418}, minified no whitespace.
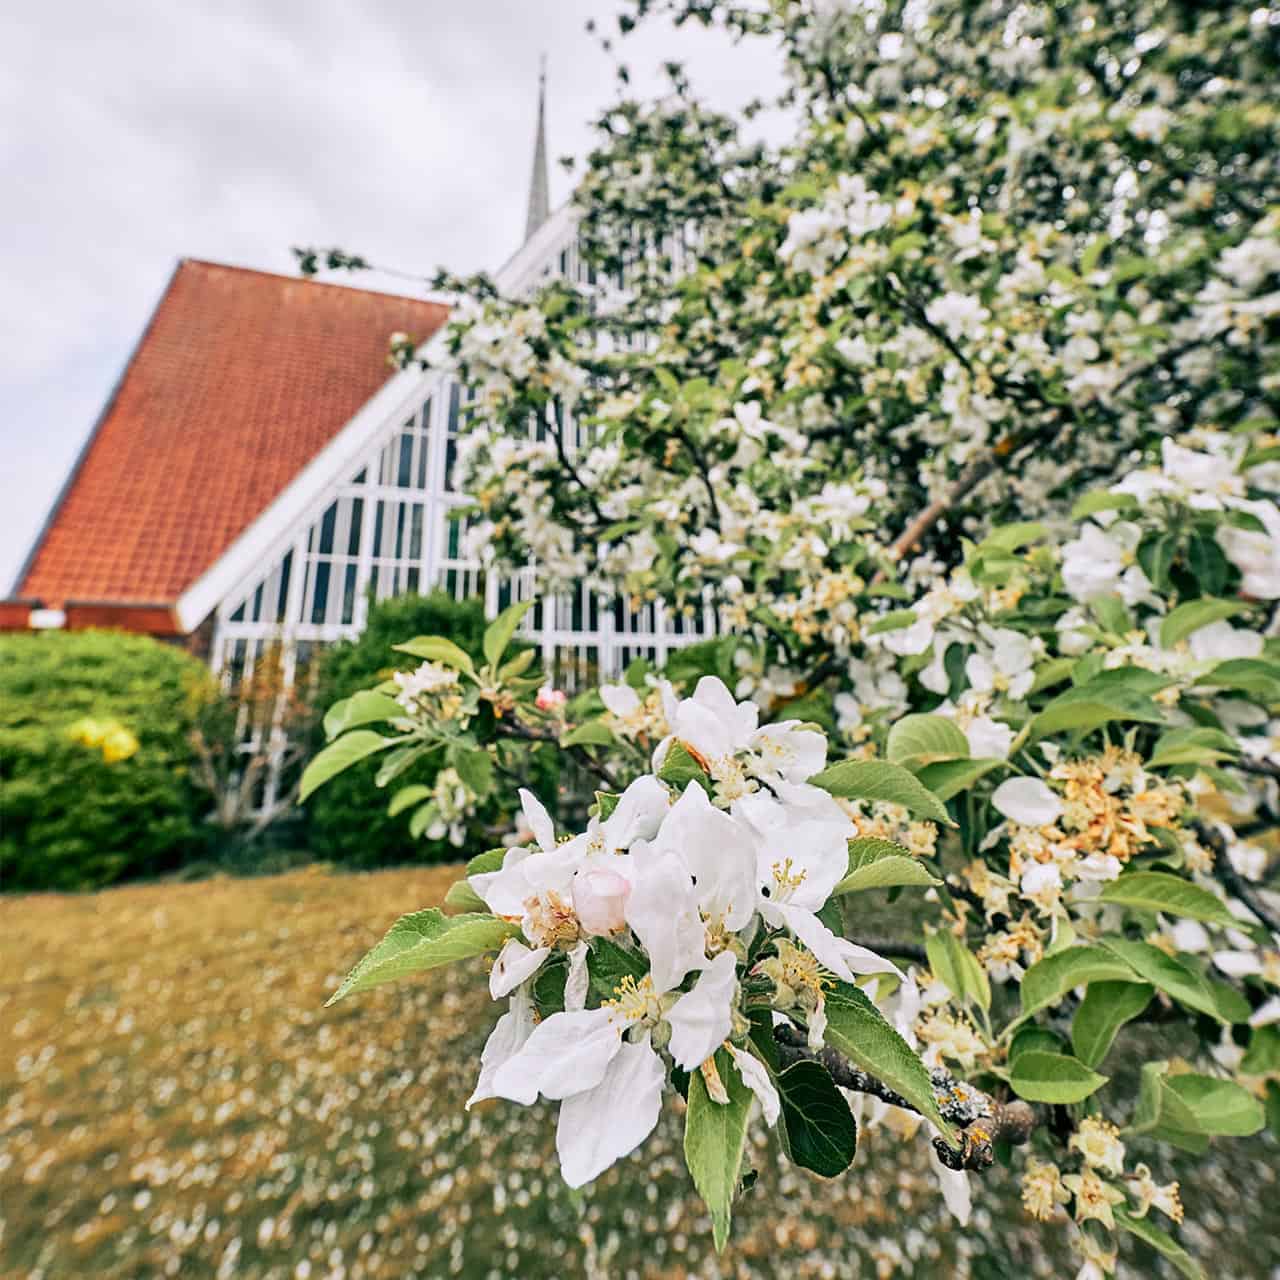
{"x":109,"y":736}
{"x":118,"y":744}
{"x":88,"y":732}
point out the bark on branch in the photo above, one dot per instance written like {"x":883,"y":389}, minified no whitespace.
{"x":982,"y":1120}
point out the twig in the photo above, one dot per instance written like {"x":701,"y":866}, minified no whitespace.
{"x":1231,"y":879}
{"x":903,"y":950}
{"x":556,"y":426}
{"x":983,"y":1120}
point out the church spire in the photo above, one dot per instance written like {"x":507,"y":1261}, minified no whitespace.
{"x":539,"y":193}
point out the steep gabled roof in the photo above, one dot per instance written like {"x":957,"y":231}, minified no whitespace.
{"x":239,"y":380}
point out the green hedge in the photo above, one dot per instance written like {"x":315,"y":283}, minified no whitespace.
{"x":79,"y":806}
{"x":348,"y":819}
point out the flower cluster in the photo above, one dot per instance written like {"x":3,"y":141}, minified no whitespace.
{"x":704,"y":896}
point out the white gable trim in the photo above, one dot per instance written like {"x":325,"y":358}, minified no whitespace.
{"x":269,"y":534}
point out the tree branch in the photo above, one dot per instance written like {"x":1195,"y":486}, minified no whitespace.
{"x":1232,"y":880}
{"x":983,"y":1120}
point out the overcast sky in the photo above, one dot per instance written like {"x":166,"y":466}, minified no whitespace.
{"x":134,"y":134}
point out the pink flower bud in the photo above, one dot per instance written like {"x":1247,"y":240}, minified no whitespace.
{"x":600,"y":900}
{"x":548,"y":698}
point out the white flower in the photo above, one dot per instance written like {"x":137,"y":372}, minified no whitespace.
{"x":1151,"y":123}
{"x":786,"y":752}
{"x":1099,"y":563}
{"x":712,"y":723}
{"x":601,"y":1064}
{"x":1220,"y":640}
{"x":988,"y":739}
{"x":1008,"y":669}
{"x":960,"y":314}
{"x":1256,"y":553}
{"x":1074,"y":630}
{"x":802,"y":855}
{"x":1042,"y":882}
{"x":1027,"y":801}
{"x":600,"y":899}
{"x":620,"y":699}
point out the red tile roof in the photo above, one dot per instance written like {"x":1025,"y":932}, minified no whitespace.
{"x":239,"y":379}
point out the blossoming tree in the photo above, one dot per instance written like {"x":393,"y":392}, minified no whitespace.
{"x":960,"y":412}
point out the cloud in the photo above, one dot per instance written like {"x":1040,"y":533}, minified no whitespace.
{"x":134,"y":135}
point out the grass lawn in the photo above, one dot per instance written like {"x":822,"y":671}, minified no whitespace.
{"x":175,"y":1102}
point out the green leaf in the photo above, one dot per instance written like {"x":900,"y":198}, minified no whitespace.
{"x":715,"y":1135}
{"x":422,"y":819}
{"x":882,"y":864}
{"x":1190,"y":617}
{"x":948,"y":778}
{"x":1263,"y":1055}
{"x":1166,"y":973}
{"x":1106,"y":1007}
{"x":878,"y":780}
{"x":1219,"y":1106}
{"x":1160,"y":891}
{"x":518,"y":665}
{"x":679,"y":767}
{"x":818,"y":1129}
{"x":1164,"y":1244}
{"x":490,"y":860}
{"x":406,"y":798}
{"x":425,"y":940}
{"x":1163,"y":1114}
{"x":594,"y":733}
{"x":341,"y":755}
{"x":365,"y":707}
{"x":438,"y":649}
{"x":895,"y":620}
{"x":857,"y":1029}
{"x":1199,"y":745}
{"x":608,"y":964}
{"x":1011,"y":537}
{"x":1112,"y":615}
{"x":1248,"y":675}
{"x":1048,"y":980}
{"x":549,"y":984}
{"x":398,"y":761}
{"x":497,"y":635}
{"x":1035,"y":1039}
{"x":1038,"y":1076}
{"x":1100,"y":500}
{"x":1156,"y":555}
{"x":1100,"y":701}
{"x":475,"y":768}
{"x":915,"y":741}
{"x":957,"y":968}
{"x":462,"y":897}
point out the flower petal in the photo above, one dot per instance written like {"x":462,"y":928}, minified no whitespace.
{"x":845,"y":959}
{"x":539,"y":820}
{"x":756,"y":1077}
{"x":578,"y":981}
{"x":567,"y":1053}
{"x":639,"y":813}
{"x":514,"y":965}
{"x":663,"y":911}
{"x":505,"y":1040}
{"x":702,"y":1018}
{"x":613,"y":1118}
{"x":1027,"y":801}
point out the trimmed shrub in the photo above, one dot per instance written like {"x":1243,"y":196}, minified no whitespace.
{"x":348,"y":819}
{"x":95,"y":779}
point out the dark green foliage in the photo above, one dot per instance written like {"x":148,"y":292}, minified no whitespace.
{"x":69,"y":818}
{"x":348,"y":820}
